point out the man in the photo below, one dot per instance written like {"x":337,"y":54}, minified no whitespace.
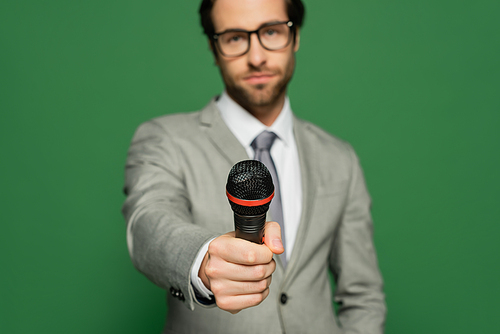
{"x":179,"y":220}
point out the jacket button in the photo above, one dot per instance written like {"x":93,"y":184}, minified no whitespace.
{"x":283,"y":298}
{"x":177,"y":294}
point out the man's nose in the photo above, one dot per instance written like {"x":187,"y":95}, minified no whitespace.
{"x":257,"y":55}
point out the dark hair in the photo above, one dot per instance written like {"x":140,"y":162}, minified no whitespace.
{"x":295,"y":9}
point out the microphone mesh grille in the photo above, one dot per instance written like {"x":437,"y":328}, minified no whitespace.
{"x":249,"y":180}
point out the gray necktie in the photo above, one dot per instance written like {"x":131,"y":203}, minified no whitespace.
{"x":262,"y":146}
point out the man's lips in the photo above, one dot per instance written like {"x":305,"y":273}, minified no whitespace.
{"x":259,"y":78}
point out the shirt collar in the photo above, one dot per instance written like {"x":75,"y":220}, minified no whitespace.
{"x":246,"y":127}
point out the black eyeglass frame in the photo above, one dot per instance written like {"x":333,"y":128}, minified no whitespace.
{"x":215,"y":37}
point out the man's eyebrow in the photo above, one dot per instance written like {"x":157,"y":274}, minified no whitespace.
{"x":269,"y":23}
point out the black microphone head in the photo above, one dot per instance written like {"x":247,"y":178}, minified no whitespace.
{"x":249,"y":188}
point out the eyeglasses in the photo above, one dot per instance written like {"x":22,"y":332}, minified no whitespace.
{"x":236,"y":42}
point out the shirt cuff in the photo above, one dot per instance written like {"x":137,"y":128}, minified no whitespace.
{"x":200,"y":288}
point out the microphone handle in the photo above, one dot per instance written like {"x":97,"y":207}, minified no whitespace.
{"x":250,"y":228}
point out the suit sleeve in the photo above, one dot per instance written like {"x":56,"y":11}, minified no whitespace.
{"x":353,"y":262}
{"x":161,"y":236}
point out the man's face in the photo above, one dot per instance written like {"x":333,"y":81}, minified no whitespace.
{"x":259,"y":77}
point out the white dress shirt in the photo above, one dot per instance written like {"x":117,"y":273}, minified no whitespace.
{"x":245,"y":128}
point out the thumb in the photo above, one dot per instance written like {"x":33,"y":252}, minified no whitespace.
{"x":272,"y":237}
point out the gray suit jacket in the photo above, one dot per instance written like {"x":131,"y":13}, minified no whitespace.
{"x":176,"y":173}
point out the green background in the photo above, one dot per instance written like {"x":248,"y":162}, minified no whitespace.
{"x":414,"y":86}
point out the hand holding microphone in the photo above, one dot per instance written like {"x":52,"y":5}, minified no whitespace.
{"x":239,"y":272}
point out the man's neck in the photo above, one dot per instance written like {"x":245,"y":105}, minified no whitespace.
{"x":265,"y":114}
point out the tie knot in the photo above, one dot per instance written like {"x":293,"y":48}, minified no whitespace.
{"x":264,"y":140}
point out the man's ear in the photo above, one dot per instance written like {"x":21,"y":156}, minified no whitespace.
{"x":297,"y":40}
{"x":214,"y":52}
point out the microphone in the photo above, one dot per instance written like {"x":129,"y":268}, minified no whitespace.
{"x":250,"y":190}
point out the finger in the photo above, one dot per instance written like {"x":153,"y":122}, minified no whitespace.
{"x":239,"y":251}
{"x":225,"y":288}
{"x":272,"y":237}
{"x":218,"y":268}
{"x":234,"y":304}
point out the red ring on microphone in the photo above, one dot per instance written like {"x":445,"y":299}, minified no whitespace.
{"x":244,"y":202}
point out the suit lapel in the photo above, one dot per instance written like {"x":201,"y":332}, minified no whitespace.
{"x":307,"y":157}
{"x":220,"y":135}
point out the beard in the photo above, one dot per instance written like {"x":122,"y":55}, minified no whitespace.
{"x":260,"y":95}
